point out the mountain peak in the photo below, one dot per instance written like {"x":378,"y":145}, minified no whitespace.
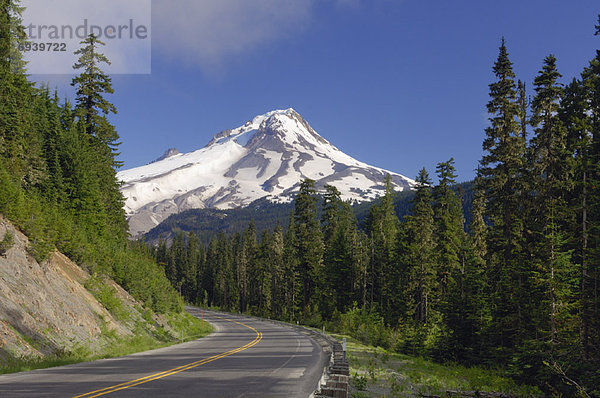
{"x":279,"y":128}
{"x":276,"y":112}
{"x":252,"y":126}
{"x":168,"y":153}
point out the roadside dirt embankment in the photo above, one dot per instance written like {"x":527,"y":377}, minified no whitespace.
{"x":45,"y":308}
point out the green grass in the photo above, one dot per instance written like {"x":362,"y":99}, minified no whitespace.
{"x":192,"y":327}
{"x":115,"y":346}
{"x":376,"y":372}
{"x":107,"y":296}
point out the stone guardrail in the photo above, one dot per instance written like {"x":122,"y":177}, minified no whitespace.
{"x":336,"y":377}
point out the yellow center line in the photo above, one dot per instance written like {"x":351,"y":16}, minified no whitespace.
{"x":160,"y":375}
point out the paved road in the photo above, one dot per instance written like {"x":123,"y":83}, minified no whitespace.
{"x":244,"y":357}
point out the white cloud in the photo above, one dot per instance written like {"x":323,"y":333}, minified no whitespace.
{"x":206,"y":33}
{"x":127,"y":54}
{"x":200,"y":33}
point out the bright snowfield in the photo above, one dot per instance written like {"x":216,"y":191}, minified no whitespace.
{"x":267,"y":156}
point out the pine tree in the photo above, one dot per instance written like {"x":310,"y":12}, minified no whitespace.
{"x":225,"y":289}
{"x":5,"y":38}
{"x":449,"y":222}
{"x":176,"y":263}
{"x":591,"y":287}
{"x":276,"y":259}
{"x":82,"y":187}
{"x":423,"y":283}
{"x":246,"y":266}
{"x":330,"y":224}
{"x":341,"y":259}
{"x":361,"y":254}
{"x":20,"y":142}
{"x":190,"y":271}
{"x":92,"y":85}
{"x":331,"y":208}
{"x":457,"y":268}
{"x":208,"y":273}
{"x":574,"y":115}
{"x":18,"y":38}
{"x":198,"y":295}
{"x":474,"y":315}
{"x":501,"y":174}
{"x":54,"y":188}
{"x":550,"y":161}
{"x":382,"y":228}
{"x":309,"y":244}
{"x":292,"y":287}
{"x":262,"y":279}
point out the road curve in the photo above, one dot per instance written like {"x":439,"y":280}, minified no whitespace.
{"x":244,"y":357}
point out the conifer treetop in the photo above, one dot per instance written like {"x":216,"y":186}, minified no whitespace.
{"x":92,"y":82}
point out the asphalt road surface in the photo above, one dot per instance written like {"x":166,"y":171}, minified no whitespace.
{"x":244,"y":357}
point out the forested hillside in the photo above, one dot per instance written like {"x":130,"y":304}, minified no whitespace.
{"x":206,"y":223}
{"x":516,"y":287}
{"x":57,"y":169}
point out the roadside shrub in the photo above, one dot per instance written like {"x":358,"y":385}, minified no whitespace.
{"x":365,"y":326}
{"x":359,"y":382}
{"x":6,"y":243}
{"x":105,"y":294}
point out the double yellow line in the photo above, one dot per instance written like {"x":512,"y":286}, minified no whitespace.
{"x":156,"y":376}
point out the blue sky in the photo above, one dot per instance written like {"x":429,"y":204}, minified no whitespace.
{"x":399,"y":84}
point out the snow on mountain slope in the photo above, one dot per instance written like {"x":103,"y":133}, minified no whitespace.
{"x":267,"y":156}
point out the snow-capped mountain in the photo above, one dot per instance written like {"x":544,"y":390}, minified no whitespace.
{"x":267,"y":156}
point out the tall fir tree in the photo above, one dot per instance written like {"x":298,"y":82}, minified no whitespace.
{"x":190,"y":272}
{"x":591,"y":287}
{"x":20,"y":142}
{"x":224,"y":282}
{"x":247,"y":266}
{"x":340,"y":257}
{"x":382,"y":228}
{"x":457,"y":268}
{"x":18,"y":38}
{"x":309,"y":244}
{"x":262,"y":280}
{"x":276,"y":260}
{"x":5,"y":35}
{"x":92,"y":108}
{"x":293,"y":288}
{"x":12,"y":34}
{"x":553,"y":274}
{"x":574,"y":115}
{"x":420,"y":257}
{"x":501,"y":174}
{"x":449,"y":223}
